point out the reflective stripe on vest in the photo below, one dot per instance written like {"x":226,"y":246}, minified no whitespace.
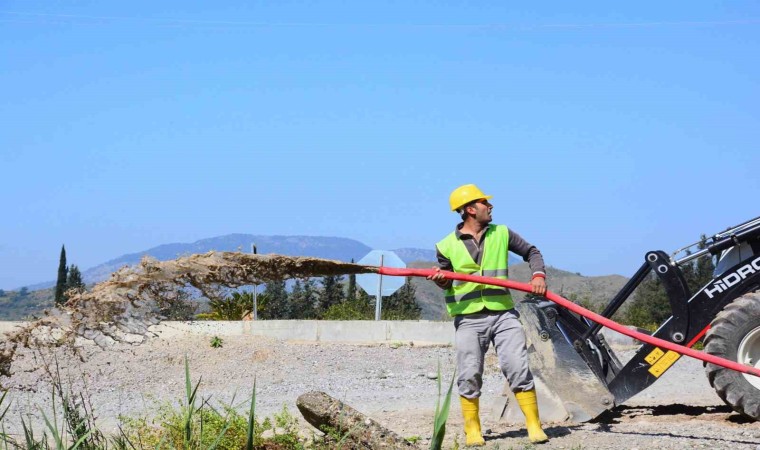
{"x":466,"y":297}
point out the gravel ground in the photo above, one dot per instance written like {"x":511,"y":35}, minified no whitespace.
{"x":392,"y":385}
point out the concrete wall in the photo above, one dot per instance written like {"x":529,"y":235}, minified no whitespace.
{"x":417,"y":331}
{"x":421,"y":331}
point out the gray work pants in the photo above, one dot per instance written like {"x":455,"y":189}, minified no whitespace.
{"x":474,"y":333}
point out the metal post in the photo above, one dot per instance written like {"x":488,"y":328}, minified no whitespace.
{"x":254,"y":313}
{"x":379,"y":302}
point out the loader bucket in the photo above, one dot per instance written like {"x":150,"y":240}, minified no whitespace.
{"x":567,"y":389}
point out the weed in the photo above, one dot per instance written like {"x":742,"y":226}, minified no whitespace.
{"x":216,"y":342}
{"x":193,"y":424}
{"x":413,"y":439}
{"x":441,"y":414}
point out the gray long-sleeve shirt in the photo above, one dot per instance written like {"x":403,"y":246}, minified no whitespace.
{"x":517,"y":245}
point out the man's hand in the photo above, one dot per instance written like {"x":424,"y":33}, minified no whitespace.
{"x":437,"y":277}
{"x":539,"y":285}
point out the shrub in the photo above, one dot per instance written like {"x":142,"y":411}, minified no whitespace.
{"x":216,"y":342}
{"x":230,"y":308}
{"x":350,"y":310}
{"x":226,"y":428}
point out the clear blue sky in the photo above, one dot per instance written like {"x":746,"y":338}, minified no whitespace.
{"x":602,"y":130}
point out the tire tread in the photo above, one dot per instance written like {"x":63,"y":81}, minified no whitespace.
{"x":720,"y":340}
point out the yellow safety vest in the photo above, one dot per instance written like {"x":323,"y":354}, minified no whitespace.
{"x":464,"y":297}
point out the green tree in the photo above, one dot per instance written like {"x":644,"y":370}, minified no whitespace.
{"x":2,"y":293}
{"x":274,"y":304}
{"x":361,"y":307}
{"x":303,"y":299}
{"x":584,"y":302}
{"x":310,"y":298}
{"x":173,"y":303}
{"x":74,"y":279}
{"x":402,"y":305}
{"x":23,"y":292}
{"x":331,"y":294}
{"x":60,"y":284}
{"x":362,"y":296}
{"x":351,"y":290}
{"x":295,"y":297}
{"x":704,"y":268}
{"x":350,"y":310}
{"x":651,"y":306}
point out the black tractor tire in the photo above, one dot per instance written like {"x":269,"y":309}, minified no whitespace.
{"x":738,"y":319}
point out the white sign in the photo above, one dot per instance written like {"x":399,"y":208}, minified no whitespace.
{"x":370,"y":282}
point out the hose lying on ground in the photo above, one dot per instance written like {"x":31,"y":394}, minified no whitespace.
{"x":683,"y":350}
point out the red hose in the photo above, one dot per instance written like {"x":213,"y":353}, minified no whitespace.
{"x":579,"y":310}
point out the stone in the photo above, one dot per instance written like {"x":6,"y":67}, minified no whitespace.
{"x":361,"y":432}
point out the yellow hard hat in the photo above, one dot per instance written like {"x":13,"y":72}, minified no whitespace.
{"x":466,"y":194}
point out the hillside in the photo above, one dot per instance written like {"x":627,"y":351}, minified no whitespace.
{"x":20,"y":305}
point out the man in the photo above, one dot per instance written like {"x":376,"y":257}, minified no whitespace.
{"x":485,"y":314}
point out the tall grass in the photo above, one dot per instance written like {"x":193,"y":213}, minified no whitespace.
{"x":441,"y":413}
{"x":192,"y":425}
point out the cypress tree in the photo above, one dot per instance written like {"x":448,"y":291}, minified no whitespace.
{"x":277,"y":303}
{"x":303,"y":299}
{"x":60,"y":284}
{"x":74,"y":279}
{"x":402,"y":305}
{"x":351,"y":294}
{"x":650,"y":306}
{"x":705,"y":267}
{"x":297,"y":299}
{"x":332,"y":293}
{"x":309,"y":299}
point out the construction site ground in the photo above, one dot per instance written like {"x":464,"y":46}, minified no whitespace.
{"x":392,"y":383}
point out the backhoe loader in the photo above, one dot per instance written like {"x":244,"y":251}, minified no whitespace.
{"x":583,"y":377}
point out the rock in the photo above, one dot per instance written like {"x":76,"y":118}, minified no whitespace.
{"x":359,"y":431}
{"x":432,"y":375}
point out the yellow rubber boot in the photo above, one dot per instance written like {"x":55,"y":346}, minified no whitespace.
{"x":529,"y":406}
{"x":471,"y":414}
